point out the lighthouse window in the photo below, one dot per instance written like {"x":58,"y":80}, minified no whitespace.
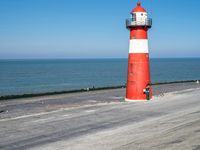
{"x":141,"y":14}
{"x":133,"y":17}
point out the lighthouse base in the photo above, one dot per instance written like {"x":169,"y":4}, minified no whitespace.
{"x":138,"y":100}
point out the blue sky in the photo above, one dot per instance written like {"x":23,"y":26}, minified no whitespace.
{"x":95,"y":28}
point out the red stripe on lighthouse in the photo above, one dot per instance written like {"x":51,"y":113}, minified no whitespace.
{"x":138,"y":33}
{"x":138,"y":76}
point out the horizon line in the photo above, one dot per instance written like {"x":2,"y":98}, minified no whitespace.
{"x":94,"y":58}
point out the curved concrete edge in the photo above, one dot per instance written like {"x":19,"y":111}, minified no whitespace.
{"x":138,"y":100}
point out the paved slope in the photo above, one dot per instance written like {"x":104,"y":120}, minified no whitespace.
{"x":169,"y":122}
{"x":28,"y":106}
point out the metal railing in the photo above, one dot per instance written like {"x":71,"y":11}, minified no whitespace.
{"x":146,"y":23}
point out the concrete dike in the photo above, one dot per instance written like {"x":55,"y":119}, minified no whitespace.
{"x":100,"y":119}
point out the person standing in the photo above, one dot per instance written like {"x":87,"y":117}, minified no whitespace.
{"x":147,"y":91}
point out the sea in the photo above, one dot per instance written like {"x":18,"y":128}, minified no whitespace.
{"x":19,"y":77}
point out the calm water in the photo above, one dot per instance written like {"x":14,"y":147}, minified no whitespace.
{"x":38,"y":76}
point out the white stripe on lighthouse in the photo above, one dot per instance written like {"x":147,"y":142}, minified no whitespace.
{"x":139,"y":46}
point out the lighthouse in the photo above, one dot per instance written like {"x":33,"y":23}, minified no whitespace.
{"x":138,"y":79}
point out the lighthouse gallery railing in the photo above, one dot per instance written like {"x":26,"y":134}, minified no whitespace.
{"x":146,"y":23}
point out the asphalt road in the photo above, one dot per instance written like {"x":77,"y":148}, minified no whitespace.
{"x":170,"y":121}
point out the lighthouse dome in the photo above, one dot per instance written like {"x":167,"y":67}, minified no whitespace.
{"x":139,"y":8}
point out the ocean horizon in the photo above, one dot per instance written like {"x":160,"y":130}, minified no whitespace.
{"x":32,"y":76}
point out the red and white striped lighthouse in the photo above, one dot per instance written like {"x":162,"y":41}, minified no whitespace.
{"x":138,"y":82}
